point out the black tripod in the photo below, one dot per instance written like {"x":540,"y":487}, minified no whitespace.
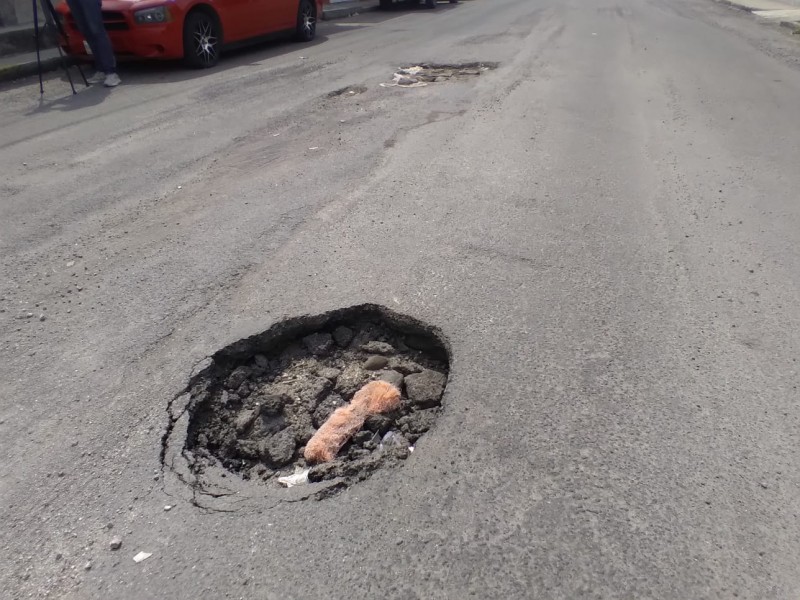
{"x":51,"y":20}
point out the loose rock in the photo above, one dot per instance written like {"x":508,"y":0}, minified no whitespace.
{"x":281,"y":447}
{"x":351,"y":379}
{"x":329,"y":373}
{"x":313,"y":389}
{"x":245,"y":419}
{"x":405,"y":366}
{"x":319,"y":344}
{"x":393,"y":377}
{"x":237,"y":378}
{"x":373,"y":363}
{"x":115,"y":543}
{"x":425,"y":389}
{"x":326,"y":408}
{"x":343,"y":336}
{"x":375,"y":347}
{"x":417,"y":422}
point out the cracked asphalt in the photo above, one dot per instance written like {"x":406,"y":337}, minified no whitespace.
{"x":605,"y":228}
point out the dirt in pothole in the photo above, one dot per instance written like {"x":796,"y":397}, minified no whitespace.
{"x":444,"y":72}
{"x":255,"y":417}
{"x":425,"y":73}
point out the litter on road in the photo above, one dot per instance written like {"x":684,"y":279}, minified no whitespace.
{"x":299,"y":477}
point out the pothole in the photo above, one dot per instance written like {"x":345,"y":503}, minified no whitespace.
{"x":352,"y":90}
{"x":253,"y":411}
{"x":423,"y":74}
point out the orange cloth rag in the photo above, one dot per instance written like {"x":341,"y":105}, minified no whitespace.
{"x":374,"y":398}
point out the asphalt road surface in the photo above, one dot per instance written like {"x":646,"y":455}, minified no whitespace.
{"x":605,"y":228}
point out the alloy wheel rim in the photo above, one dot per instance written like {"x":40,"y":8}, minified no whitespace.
{"x":308,"y":20}
{"x":205,"y":40}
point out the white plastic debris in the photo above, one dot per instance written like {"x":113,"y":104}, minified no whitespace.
{"x":300,"y":477}
{"x":168,"y":507}
{"x":411,"y":71}
{"x":142,"y":556}
{"x":314,"y":148}
{"x":402,"y":79}
{"x":393,"y":439}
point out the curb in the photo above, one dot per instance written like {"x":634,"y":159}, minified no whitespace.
{"x":16,"y":40}
{"x":25,"y":69}
{"x":346,"y":11}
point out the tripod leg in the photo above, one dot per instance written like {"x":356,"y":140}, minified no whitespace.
{"x":65,"y":66}
{"x":47,"y":6}
{"x":80,"y":70}
{"x":38,"y":56}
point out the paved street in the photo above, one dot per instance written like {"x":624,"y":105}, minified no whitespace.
{"x":606,"y":229}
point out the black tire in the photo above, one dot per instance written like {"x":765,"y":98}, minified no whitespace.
{"x":306,"y":21}
{"x":431,"y":3}
{"x":202,"y":39}
{"x":386,"y":4}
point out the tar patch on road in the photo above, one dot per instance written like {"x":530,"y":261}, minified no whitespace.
{"x":252,"y":411}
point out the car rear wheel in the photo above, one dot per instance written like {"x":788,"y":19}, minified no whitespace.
{"x":430,"y":3}
{"x":201,"y":40}
{"x":386,"y":4}
{"x":306,"y":21}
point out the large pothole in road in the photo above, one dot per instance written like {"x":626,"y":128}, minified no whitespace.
{"x":255,"y":409}
{"x":425,"y":73}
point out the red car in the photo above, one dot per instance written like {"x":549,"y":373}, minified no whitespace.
{"x":195,"y":30}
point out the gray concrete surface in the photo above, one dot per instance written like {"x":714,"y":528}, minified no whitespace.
{"x":606,"y":228}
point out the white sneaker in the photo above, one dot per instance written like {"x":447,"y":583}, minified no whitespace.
{"x":98,"y":77}
{"x":112,"y":80}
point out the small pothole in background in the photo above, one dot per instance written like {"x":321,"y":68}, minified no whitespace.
{"x":425,"y":73}
{"x":352,"y":90}
{"x":256,"y":407}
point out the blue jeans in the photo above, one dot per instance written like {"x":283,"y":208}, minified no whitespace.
{"x":89,"y":20}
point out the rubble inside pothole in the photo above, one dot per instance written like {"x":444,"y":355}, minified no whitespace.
{"x":423,"y":74}
{"x":253,"y":415}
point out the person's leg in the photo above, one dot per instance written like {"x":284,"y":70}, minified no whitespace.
{"x":76,"y":9}
{"x":77,"y":12}
{"x":95,"y":33}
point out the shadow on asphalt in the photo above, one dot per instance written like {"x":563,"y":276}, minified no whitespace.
{"x":86,"y":97}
